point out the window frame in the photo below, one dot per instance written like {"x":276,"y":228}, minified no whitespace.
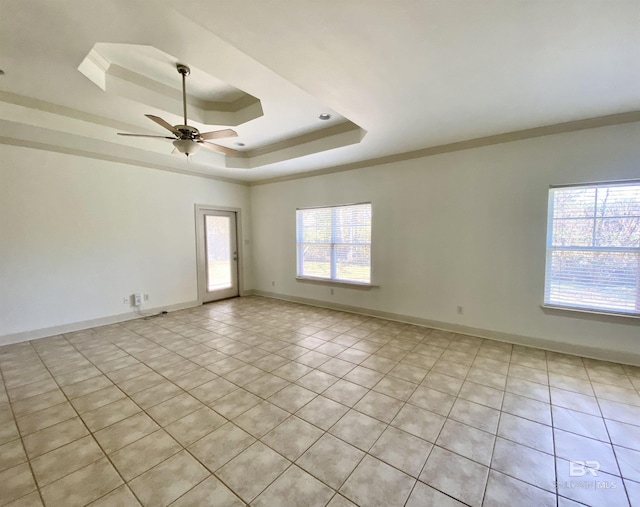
{"x":549,"y":248}
{"x":332,"y":280}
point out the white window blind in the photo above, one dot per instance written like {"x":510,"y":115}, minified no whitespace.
{"x":593,"y":248}
{"x":334,"y":243}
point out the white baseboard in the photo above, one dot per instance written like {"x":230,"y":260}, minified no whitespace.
{"x":540,"y":343}
{"x":25,"y":336}
{"x":555,"y":346}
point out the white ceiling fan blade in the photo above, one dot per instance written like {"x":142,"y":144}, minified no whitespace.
{"x":218,"y":148}
{"x":164,"y":124}
{"x":144,"y":135}
{"x":189,"y":134}
{"x":219,"y":134}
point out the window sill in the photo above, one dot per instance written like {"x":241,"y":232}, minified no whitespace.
{"x":614,"y":316}
{"x":335,"y":283}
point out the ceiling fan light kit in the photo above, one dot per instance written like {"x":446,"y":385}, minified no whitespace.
{"x":188,"y":139}
{"x":186,"y":146}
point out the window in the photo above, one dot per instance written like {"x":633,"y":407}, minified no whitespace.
{"x":334,"y":243}
{"x":593,"y":248}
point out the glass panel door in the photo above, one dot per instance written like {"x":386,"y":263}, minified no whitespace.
{"x":218,"y":246}
{"x":217,"y":255}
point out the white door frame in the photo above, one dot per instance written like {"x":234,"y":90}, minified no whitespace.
{"x":199,"y":210}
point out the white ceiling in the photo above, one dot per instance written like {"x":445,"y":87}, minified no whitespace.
{"x":412,"y":74}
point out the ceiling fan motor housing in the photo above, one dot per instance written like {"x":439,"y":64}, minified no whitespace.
{"x":188,"y":139}
{"x":188,"y":132}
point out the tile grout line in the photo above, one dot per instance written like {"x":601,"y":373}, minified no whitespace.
{"x":388,"y":424}
{"x":365,"y":453}
{"x":615,"y":454}
{"x":183,"y":448}
{"x":446,"y":418}
{"x":24,"y":449}
{"x":553,"y":438}
{"x":127,"y":396}
{"x":292,"y":341}
{"x":495,"y":440}
{"x":188,"y":451}
{"x":90,"y":433}
{"x":291,"y":463}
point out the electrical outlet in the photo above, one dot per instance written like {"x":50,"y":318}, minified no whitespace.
{"x":126,"y":300}
{"x":460,"y":310}
{"x":137,"y":298}
{"x":146,"y":297}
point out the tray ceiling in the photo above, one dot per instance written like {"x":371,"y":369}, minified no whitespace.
{"x":396,"y":78}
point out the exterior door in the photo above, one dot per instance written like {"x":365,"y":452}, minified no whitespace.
{"x":217,"y":255}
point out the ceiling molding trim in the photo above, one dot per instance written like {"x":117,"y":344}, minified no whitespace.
{"x":336,"y":136}
{"x":328,"y":138}
{"x":75,"y":114}
{"x":124,"y":82}
{"x":111,"y":158}
{"x":134,"y":86}
{"x":339,"y":128}
{"x":519,"y":135}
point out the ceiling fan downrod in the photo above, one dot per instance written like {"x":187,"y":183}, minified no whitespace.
{"x":184,"y":72}
{"x":186,"y":144}
{"x":188,"y":139}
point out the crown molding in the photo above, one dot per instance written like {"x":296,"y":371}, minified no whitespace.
{"x":519,"y":135}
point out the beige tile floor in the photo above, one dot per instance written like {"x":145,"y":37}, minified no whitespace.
{"x":261,"y":402}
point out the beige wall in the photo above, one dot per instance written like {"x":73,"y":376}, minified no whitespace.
{"x":77,"y":235}
{"x":460,"y":229}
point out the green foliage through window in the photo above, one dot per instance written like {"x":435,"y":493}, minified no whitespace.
{"x":334,"y":243}
{"x":593,"y":247}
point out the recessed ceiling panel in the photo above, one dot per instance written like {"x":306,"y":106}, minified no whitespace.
{"x":418,"y":76}
{"x":148,"y":75}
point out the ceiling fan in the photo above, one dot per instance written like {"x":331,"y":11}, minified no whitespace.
{"x":188,"y":139}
